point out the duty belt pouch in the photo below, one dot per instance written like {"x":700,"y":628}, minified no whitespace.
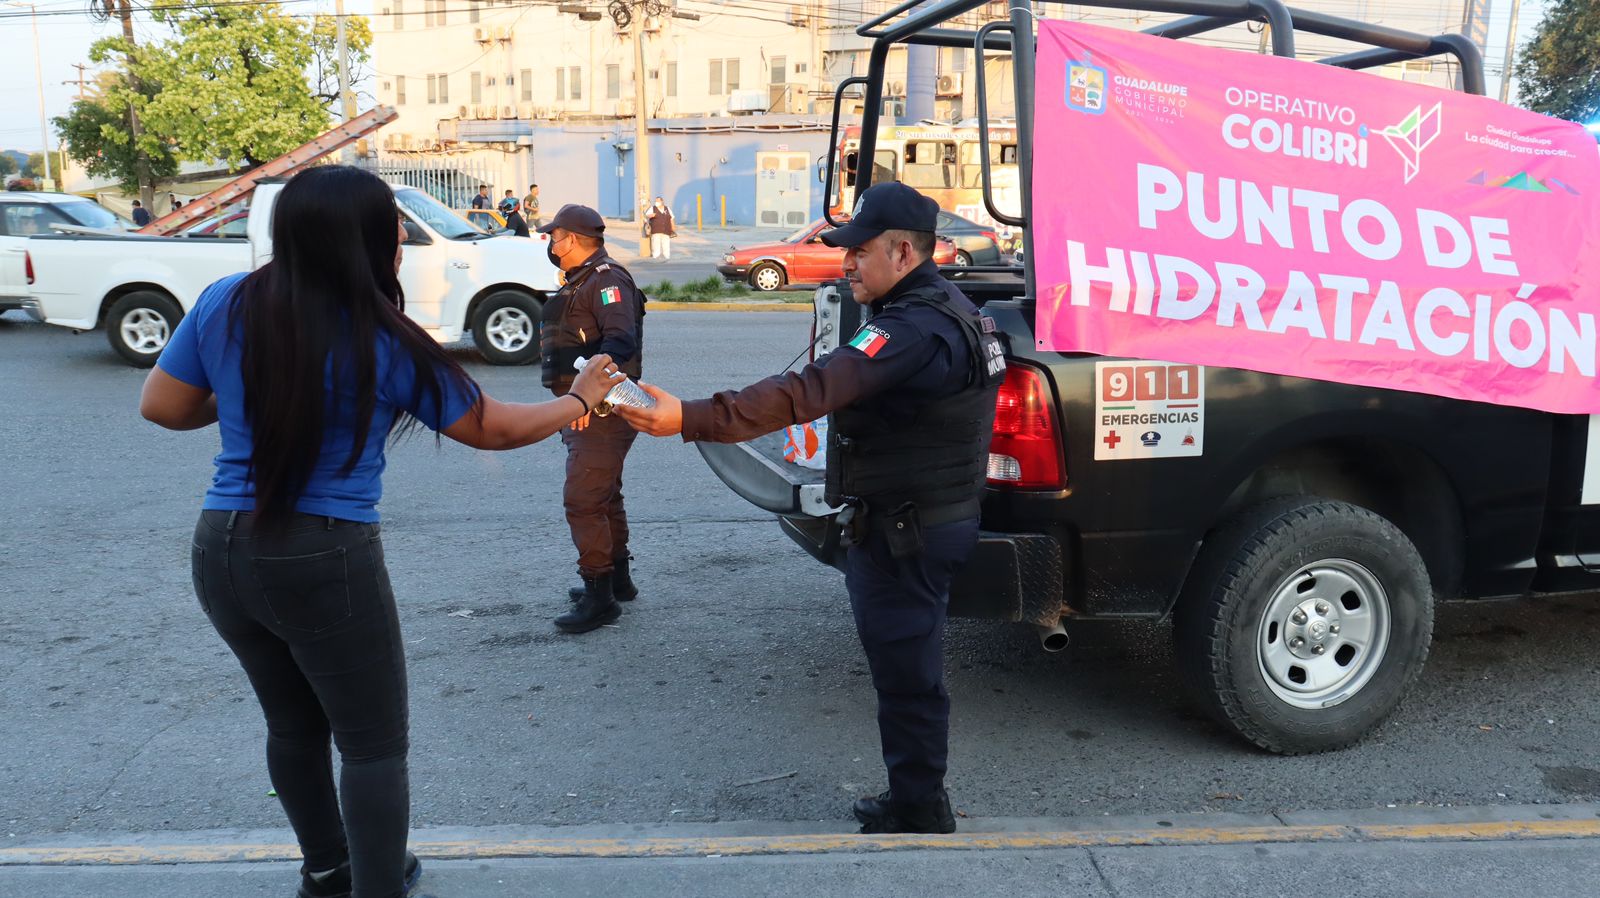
{"x":903,"y":530}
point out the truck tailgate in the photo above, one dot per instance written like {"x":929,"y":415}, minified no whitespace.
{"x":757,"y":471}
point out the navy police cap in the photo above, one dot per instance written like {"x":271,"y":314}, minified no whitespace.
{"x":885,"y":207}
{"x":576,"y":219}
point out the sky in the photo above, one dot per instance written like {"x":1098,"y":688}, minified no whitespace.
{"x":66,"y":31}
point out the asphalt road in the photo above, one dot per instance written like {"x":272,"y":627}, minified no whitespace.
{"x":733,"y":689}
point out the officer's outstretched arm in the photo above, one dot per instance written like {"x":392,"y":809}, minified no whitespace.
{"x":665,"y":420}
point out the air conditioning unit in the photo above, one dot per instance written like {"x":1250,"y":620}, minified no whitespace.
{"x":408,"y":141}
{"x":746,"y":101}
{"x":482,"y":111}
{"x":799,"y":16}
{"x":894,"y":89}
{"x":508,"y":112}
{"x":502,"y":32}
{"x":388,"y":141}
{"x":625,"y":108}
{"x":997,"y":9}
{"x":464,"y":112}
{"x":948,"y":86}
{"x":482,"y":34}
{"x":527,"y":111}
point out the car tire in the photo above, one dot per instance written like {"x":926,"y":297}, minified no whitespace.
{"x":768,"y":277}
{"x":1344,"y":583}
{"x":505,"y":327}
{"x":139,"y":325}
{"x":963,"y":258}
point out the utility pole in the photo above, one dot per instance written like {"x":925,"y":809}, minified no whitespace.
{"x":38,"y":74}
{"x":347,"y":101}
{"x":641,"y":128}
{"x":147,"y":189}
{"x":83,"y":90}
{"x":1511,"y":52}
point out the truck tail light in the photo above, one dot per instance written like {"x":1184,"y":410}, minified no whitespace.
{"x":27,"y":266}
{"x":1025,"y":452}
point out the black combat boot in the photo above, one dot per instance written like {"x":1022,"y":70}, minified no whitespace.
{"x":885,"y":815}
{"x":595,"y":609}
{"x":622,"y":588}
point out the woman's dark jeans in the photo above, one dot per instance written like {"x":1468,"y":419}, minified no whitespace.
{"x":311,"y":617}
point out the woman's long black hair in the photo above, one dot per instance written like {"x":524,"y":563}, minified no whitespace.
{"x":326,"y":298}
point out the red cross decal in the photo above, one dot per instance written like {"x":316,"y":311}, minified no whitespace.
{"x":1111,"y":440}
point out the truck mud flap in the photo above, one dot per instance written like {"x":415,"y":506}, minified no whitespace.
{"x":1014,"y":577}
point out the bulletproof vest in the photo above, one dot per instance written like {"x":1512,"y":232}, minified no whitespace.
{"x":938,"y":461}
{"x":560,"y":344}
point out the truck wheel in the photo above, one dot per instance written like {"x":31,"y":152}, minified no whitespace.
{"x":505,"y":328}
{"x":1303,"y":623}
{"x":767,"y":277}
{"x":140,"y":324}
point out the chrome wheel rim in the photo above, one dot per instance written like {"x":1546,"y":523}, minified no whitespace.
{"x":145,"y":331}
{"x":509,"y":329}
{"x":1323,"y":634}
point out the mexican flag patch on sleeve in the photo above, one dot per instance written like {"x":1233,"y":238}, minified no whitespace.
{"x":870,"y":340}
{"x":610,"y":295}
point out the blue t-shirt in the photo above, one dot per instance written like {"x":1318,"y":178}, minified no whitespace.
{"x":203,"y":354}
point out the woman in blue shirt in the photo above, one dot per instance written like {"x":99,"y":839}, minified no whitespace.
{"x":309,"y":365}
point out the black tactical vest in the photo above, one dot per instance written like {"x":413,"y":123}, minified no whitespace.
{"x":940,"y":460}
{"x":559,"y":342}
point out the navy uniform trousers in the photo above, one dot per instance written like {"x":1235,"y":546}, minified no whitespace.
{"x":901,"y":605}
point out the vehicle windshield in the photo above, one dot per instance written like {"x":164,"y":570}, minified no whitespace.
{"x":93,"y":215}
{"x":801,"y":234}
{"x":437,"y":215}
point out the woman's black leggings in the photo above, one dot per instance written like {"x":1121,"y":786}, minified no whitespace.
{"x":311,"y":617}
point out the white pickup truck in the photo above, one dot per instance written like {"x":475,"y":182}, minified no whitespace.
{"x":455,"y":276}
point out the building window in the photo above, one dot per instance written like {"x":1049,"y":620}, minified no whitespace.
{"x":613,"y":82}
{"x":527,"y":85}
{"x":672,"y":79}
{"x":399,"y":90}
{"x":477,"y":87}
{"x":397,"y":19}
{"x":575,"y":82}
{"x":730,"y":71}
{"x":438,"y":12}
{"x":561,"y":84}
{"x":799,"y":68}
{"x":715,"y":77}
{"x":472,"y":10}
{"x":780,"y":70}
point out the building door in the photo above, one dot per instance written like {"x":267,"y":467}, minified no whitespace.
{"x":783,"y":190}
{"x":615,"y":181}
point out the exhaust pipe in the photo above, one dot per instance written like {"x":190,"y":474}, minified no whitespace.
{"x":1053,"y":637}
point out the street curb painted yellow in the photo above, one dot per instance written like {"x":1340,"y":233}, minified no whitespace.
{"x":654,"y":306}
{"x":828,"y":843}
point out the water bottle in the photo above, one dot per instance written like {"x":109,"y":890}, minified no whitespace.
{"x":626,"y":392}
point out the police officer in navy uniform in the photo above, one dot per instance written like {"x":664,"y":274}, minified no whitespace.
{"x":912,"y":399}
{"x":598,"y":310}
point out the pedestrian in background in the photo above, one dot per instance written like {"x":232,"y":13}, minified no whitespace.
{"x":141,"y":215}
{"x":172,"y":202}
{"x":510,"y":211}
{"x":530,"y":206}
{"x":659,"y":225}
{"x":482,"y":201}
{"x":311,"y":366}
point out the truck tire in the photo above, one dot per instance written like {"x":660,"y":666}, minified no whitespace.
{"x":768,"y":277}
{"x":505,"y":327}
{"x":140,"y":324}
{"x":1303,"y":623}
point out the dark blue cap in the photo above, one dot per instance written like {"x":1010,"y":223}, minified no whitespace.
{"x":577,"y":220}
{"x":885,"y":207}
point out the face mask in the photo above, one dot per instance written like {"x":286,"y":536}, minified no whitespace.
{"x":550,"y":251}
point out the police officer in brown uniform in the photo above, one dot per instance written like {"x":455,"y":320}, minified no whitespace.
{"x":599,"y":310}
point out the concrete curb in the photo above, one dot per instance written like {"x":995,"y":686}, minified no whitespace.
{"x":752,"y":838}
{"x":655,"y":306}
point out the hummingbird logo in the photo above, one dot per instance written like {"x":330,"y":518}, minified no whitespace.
{"x":1413,"y":135}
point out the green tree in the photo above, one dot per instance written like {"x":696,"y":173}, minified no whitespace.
{"x":1559,"y":72}
{"x":233,"y":83}
{"x":34,"y":167}
{"x":8,"y":166}
{"x":96,"y":135}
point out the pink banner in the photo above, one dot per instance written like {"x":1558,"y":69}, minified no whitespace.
{"x":1215,"y":207}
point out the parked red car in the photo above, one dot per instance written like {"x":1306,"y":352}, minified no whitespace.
{"x":799,"y":259}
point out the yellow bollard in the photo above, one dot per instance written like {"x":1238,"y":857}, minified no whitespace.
{"x":699,"y":221}
{"x":724,"y":199}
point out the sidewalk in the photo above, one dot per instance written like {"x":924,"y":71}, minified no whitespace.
{"x":1495,"y":851}
{"x":704,"y":247}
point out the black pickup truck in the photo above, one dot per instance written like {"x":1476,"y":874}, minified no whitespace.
{"x":1299,"y":554}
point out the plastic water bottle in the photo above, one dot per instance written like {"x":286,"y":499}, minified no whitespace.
{"x":626,"y":392}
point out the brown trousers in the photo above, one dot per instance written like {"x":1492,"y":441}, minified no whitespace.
{"x":593,"y":492}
